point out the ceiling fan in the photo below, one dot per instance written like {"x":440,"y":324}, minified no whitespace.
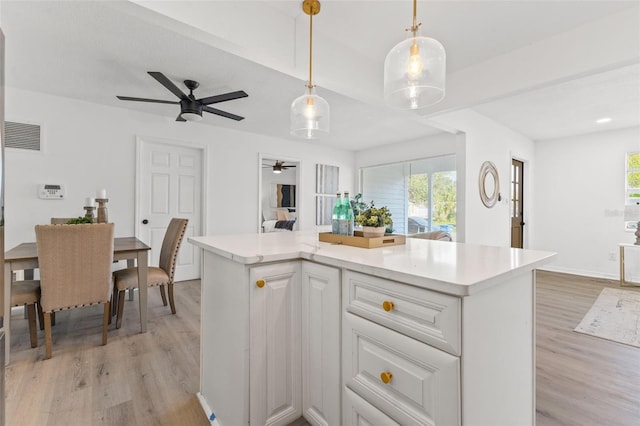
{"x":279,"y":166}
{"x":190,"y":107}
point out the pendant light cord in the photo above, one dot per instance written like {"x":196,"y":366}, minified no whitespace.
{"x":310,"y":84}
{"x":414,"y":26}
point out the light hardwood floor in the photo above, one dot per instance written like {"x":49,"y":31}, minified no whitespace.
{"x":581,"y":379}
{"x":152,"y":378}
{"x":136,"y":379}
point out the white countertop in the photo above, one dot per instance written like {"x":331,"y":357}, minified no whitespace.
{"x":453,"y":268}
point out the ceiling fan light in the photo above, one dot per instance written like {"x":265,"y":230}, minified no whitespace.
{"x":414,"y":73}
{"x":309,"y":116}
{"x":191,"y":116}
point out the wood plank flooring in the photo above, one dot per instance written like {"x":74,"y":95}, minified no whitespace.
{"x":136,"y":379}
{"x":581,"y":379}
{"x":152,"y":378}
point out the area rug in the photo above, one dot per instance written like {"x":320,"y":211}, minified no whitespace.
{"x":615,"y":315}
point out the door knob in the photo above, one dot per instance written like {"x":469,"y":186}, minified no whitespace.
{"x":260,"y":283}
{"x":145,"y":221}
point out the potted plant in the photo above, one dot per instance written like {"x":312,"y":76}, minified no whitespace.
{"x":374,"y":220}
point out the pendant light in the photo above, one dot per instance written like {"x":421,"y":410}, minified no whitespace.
{"x":309,"y":114}
{"x":414,"y":71}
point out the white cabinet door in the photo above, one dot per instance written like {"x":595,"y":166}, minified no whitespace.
{"x":274,"y":372}
{"x":320,"y":344}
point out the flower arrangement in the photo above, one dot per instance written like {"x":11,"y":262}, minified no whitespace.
{"x":373,"y":216}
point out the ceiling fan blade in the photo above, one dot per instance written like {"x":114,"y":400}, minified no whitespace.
{"x":168,"y":84}
{"x":222,"y":98}
{"x":222,"y":113}
{"x":128,"y":98}
{"x":179,"y":118}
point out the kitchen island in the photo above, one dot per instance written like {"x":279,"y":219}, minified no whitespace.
{"x":429,"y":332}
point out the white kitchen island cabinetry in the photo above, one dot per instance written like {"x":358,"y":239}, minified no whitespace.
{"x":275,"y":394}
{"x":429,"y":332}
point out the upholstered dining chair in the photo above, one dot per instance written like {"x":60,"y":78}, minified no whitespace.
{"x":75,"y":270}
{"x":27,"y":293}
{"x":126,"y":279}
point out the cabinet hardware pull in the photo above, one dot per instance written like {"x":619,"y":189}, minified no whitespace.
{"x":387,"y":305}
{"x":386,"y":377}
{"x":260,"y":283}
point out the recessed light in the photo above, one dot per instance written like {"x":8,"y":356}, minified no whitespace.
{"x":603,"y":120}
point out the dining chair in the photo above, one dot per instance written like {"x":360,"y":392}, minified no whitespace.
{"x":27,"y":293}
{"x":75,"y":270}
{"x":127,"y":279}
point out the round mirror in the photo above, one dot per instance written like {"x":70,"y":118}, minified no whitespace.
{"x":489,"y":184}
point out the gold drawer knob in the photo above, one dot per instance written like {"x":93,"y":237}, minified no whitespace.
{"x":260,"y":283}
{"x":387,"y":305}
{"x":386,"y":377}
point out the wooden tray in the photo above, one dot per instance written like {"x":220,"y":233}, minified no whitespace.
{"x":359,"y":241}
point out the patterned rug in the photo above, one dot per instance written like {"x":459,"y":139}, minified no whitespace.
{"x":615,"y":315}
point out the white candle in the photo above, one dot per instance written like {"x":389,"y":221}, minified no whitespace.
{"x":89,"y":202}
{"x":102,"y":193}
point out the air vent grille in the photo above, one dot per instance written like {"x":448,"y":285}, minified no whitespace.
{"x":22,"y":135}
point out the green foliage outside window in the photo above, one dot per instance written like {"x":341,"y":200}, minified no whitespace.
{"x":444,"y":195}
{"x":444,"y":198}
{"x":419,"y":189}
{"x":633,"y":170}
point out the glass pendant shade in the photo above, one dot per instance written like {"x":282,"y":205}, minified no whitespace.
{"x":309,"y":116}
{"x":414,"y":73}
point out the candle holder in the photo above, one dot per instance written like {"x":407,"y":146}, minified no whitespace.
{"x":89,"y":212}
{"x":102,"y":210}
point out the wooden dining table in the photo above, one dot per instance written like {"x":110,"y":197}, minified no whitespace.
{"x":25,"y":257}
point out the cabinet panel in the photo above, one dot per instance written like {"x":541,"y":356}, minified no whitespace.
{"x":411,"y":382}
{"x":359,"y":412}
{"x":430,"y":317}
{"x":275,"y":385}
{"x":321,"y":344}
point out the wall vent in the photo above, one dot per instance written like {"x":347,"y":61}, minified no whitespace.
{"x":22,"y":135}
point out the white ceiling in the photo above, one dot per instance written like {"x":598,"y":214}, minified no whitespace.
{"x":96,"y":50}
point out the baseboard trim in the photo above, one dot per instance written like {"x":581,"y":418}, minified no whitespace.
{"x":583,"y":273}
{"x":207,"y":410}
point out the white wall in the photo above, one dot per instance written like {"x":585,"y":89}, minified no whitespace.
{"x":579,"y":200}
{"x":487,"y":140}
{"x":88,"y":146}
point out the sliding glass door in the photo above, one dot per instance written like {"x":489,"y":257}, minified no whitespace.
{"x":420,"y":194}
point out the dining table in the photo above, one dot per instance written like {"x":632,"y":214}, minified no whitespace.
{"x":25,"y":257}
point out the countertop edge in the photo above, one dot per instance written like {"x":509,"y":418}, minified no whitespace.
{"x":460,"y":289}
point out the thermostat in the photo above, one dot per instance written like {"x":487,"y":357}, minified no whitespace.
{"x":48,"y":191}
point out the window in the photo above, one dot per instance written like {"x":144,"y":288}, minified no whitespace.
{"x":420,"y":194}
{"x":632,"y":184}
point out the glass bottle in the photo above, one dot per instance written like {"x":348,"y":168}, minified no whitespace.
{"x":335,"y":215}
{"x":348,"y":214}
{"x":342,"y":216}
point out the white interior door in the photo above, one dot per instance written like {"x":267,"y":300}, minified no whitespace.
{"x":169,"y":185}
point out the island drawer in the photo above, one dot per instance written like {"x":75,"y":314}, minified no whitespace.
{"x":425,"y":315}
{"x":409,"y":381}
{"x":358,"y":412}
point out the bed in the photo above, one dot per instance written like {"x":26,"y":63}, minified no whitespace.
{"x":279,"y":220}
